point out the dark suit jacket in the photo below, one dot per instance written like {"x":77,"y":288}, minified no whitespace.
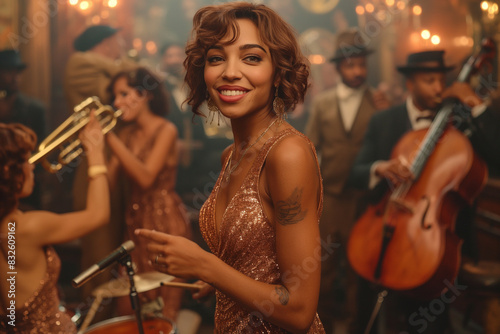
{"x":384,"y":131}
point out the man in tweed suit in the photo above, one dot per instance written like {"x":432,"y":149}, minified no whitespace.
{"x":337,"y":124}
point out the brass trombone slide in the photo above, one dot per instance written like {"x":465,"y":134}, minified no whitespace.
{"x":67,"y":132}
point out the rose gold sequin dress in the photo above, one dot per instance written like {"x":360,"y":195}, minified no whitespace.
{"x":157,"y":208}
{"x":247,"y":243}
{"x":40,"y":313}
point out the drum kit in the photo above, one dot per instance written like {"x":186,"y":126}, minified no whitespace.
{"x":151,"y":324}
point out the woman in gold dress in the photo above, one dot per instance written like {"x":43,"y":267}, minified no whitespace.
{"x":146,"y":152}
{"x":261,"y":219}
{"x":29,"y":299}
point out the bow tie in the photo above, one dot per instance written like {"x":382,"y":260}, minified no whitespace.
{"x":426,"y":117}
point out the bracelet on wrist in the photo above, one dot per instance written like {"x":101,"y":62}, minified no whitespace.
{"x":96,"y":170}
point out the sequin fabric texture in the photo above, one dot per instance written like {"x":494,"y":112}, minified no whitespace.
{"x":40,"y":314}
{"x":157,"y":208}
{"x":246,"y":242}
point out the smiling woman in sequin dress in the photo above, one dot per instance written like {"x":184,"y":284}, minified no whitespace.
{"x":261,"y":220}
{"x":28,"y":249}
{"x":146,"y":151}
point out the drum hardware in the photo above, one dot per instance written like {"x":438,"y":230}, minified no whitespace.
{"x":134,"y":296}
{"x":143,"y":282}
{"x":120,"y":287}
{"x":132,"y":285}
{"x":122,"y":256}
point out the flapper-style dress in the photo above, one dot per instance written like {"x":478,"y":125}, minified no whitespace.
{"x":247,"y":242}
{"x":40,"y":314}
{"x":157,"y":208}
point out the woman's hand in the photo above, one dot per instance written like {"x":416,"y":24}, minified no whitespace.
{"x":91,"y":136}
{"x":174,"y":255}
{"x":205,"y":291}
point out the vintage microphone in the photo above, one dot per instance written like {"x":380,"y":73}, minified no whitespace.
{"x":95,"y":269}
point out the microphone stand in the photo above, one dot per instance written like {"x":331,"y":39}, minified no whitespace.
{"x":134,"y":297}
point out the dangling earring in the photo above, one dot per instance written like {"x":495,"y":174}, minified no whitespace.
{"x":212,"y":107}
{"x":279,"y":107}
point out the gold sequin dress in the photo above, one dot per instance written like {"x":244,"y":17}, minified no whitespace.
{"x":157,"y":208}
{"x":247,"y":243}
{"x":40,"y":314}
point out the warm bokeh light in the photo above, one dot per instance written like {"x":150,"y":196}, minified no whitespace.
{"x":112,"y":3}
{"x":435,"y":40}
{"x":73,"y":2}
{"x":417,"y":10}
{"x":360,"y":10}
{"x":105,"y":14}
{"x":316,"y":59}
{"x":401,"y":5}
{"x":84,"y":5}
{"x":369,"y":8}
{"x":426,"y":34}
{"x":484,"y":5}
{"x":389,"y":3}
{"x":381,"y":15}
{"x":96,"y":19}
{"x":494,"y":8}
{"x":137,"y":44}
{"x":151,"y":47}
{"x":415,"y":38}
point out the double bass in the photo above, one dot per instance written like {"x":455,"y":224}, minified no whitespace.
{"x":407,"y":241}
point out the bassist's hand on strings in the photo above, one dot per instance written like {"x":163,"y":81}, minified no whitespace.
{"x":396,"y":171}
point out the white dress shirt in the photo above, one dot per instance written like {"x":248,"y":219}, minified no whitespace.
{"x":349,"y":102}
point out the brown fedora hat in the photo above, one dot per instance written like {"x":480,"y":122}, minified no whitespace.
{"x":426,"y":61}
{"x":350,"y":44}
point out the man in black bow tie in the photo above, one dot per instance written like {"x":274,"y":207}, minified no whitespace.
{"x":375,"y":169}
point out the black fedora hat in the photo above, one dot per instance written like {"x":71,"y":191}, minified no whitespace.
{"x":426,"y":61}
{"x":350,"y":44}
{"x":92,"y":36}
{"x":11,"y":60}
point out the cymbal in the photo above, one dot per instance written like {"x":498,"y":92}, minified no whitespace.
{"x":143,"y":282}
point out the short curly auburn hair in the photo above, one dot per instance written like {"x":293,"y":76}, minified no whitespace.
{"x":16,"y":142}
{"x":212,"y":23}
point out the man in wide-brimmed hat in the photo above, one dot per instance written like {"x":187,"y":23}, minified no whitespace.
{"x":374,"y":168}
{"x":16,"y":107}
{"x":336,"y":125}
{"x":99,"y":55}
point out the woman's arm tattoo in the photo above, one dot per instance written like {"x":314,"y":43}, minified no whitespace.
{"x":282,"y":293}
{"x":290,"y":211}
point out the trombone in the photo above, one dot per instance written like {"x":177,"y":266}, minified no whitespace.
{"x":67,"y":132}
